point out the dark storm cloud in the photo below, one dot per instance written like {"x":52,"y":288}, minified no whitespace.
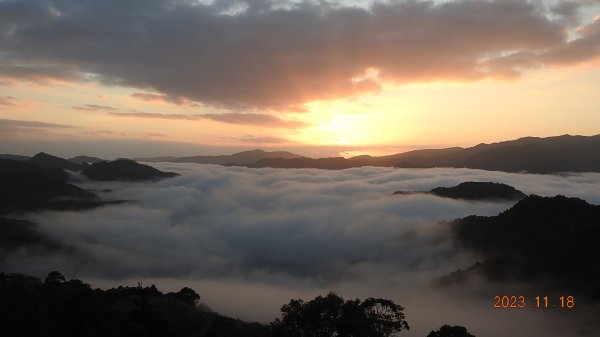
{"x":262,"y":54}
{"x":263,"y":120}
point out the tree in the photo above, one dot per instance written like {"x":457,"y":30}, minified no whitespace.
{"x":332,"y":316}
{"x":385,"y":316}
{"x":187,"y":296}
{"x":450,"y":331}
{"x":54,"y":277}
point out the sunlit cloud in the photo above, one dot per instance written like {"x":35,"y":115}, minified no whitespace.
{"x":151,"y":97}
{"x":255,"y":119}
{"x":258,"y":139}
{"x":94,"y":107}
{"x":7,"y":101}
{"x":14,"y":128}
{"x":263,"y":55}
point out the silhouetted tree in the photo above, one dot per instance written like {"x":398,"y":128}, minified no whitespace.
{"x":332,"y":316}
{"x":54,"y":277}
{"x":187,"y":296}
{"x":450,"y":331}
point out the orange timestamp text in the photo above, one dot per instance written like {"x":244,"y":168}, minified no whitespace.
{"x":523,"y":302}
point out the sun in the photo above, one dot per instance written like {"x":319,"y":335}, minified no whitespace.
{"x":353,"y":122}
{"x":344,"y":130}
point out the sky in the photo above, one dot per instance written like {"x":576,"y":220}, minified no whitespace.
{"x":249,"y":240}
{"x":319,"y":78}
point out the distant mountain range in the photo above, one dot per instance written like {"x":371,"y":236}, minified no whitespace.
{"x":85,"y":159}
{"x":240,"y":158}
{"x":124,"y":169}
{"x":530,"y":154}
{"x":48,"y":161}
{"x":535,"y":155}
{"x":91,"y":167}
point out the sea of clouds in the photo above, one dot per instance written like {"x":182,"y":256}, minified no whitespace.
{"x":249,"y":240}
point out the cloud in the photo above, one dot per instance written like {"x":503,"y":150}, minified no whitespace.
{"x":12,"y":128}
{"x":150,"y":97}
{"x":152,"y":115}
{"x":258,"y":139}
{"x":99,"y":132}
{"x":94,"y":107}
{"x":584,"y":48}
{"x":254,"y":119}
{"x":274,"y":55}
{"x":230,"y":231}
{"x":280,"y":225}
{"x":7,"y":101}
{"x":157,"y":135}
{"x":262,"y":120}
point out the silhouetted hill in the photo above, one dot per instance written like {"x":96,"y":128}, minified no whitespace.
{"x":550,"y":241}
{"x":479,"y":191}
{"x":48,"y":161}
{"x":18,"y":234}
{"x":472,"y":190}
{"x":25,"y":188}
{"x":14,"y":157}
{"x":85,"y":160}
{"x":536,"y":155}
{"x":124,"y":169}
{"x":529,"y":154}
{"x":240,"y":158}
{"x":29,"y":187}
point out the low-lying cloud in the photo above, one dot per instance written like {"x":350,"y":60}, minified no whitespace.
{"x":270,"y":224}
{"x":297,"y":232}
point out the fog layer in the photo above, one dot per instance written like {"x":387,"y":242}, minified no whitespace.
{"x":251,"y":239}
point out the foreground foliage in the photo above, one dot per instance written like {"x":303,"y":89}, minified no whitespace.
{"x":332,"y":316}
{"x":70,"y":308}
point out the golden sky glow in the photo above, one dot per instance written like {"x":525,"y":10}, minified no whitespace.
{"x":380,"y":112}
{"x":544,"y":103}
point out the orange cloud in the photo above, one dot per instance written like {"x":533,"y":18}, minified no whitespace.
{"x":269,"y":58}
{"x":261,"y":120}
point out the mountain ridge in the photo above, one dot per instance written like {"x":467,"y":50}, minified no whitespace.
{"x":564,"y":153}
{"x":124,"y":170}
{"x":239,"y":158}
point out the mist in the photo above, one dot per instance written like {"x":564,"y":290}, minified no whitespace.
{"x":249,"y":240}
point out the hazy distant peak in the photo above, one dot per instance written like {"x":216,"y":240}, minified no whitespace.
{"x":124,"y":169}
{"x":45,"y":160}
{"x":85,"y":159}
{"x":239,"y":158}
{"x":15,"y":157}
